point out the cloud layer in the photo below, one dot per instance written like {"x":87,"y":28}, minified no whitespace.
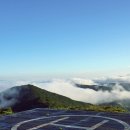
{"x":69,"y":89}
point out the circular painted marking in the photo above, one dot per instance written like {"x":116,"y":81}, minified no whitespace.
{"x":126,"y":126}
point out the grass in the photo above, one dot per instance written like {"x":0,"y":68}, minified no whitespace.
{"x":7,"y":111}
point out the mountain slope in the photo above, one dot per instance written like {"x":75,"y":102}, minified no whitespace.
{"x":28,"y":96}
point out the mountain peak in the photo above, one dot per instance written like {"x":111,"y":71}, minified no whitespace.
{"x":29,"y":96}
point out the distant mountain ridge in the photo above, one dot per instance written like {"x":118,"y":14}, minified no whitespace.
{"x":104,"y":87}
{"x":109,"y":87}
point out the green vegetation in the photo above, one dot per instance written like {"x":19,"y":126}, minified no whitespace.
{"x":94,"y":108}
{"x":106,"y":108}
{"x":33,"y":97}
{"x":6,"y":111}
{"x":55,"y":101}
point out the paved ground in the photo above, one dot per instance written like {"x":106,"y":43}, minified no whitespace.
{"x":46,"y":119}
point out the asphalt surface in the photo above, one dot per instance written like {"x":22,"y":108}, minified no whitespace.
{"x":48,"y":119}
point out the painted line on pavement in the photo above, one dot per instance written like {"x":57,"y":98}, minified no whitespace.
{"x":126,"y":126}
{"x":46,"y":124}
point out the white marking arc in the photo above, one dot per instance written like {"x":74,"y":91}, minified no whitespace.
{"x":52,"y":122}
{"x":126,"y":126}
{"x":80,"y":127}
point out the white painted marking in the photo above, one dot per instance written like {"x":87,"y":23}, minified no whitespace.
{"x":98,"y":125}
{"x":86,"y":128}
{"x":23,"y":122}
{"x":126,"y":126}
{"x":50,"y":123}
{"x":71,"y":126}
{"x":87,"y":119}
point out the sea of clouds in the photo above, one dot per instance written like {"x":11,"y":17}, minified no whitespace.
{"x":67,"y":87}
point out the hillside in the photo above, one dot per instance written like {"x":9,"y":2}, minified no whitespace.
{"x":27,"y":97}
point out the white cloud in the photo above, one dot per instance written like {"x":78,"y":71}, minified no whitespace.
{"x":68,"y":88}
{"x":83,"y":81}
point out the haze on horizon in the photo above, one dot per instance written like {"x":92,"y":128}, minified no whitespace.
{"x":64,"y":38}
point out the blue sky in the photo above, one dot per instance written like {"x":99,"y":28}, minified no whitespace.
{"x":64,"y":37}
